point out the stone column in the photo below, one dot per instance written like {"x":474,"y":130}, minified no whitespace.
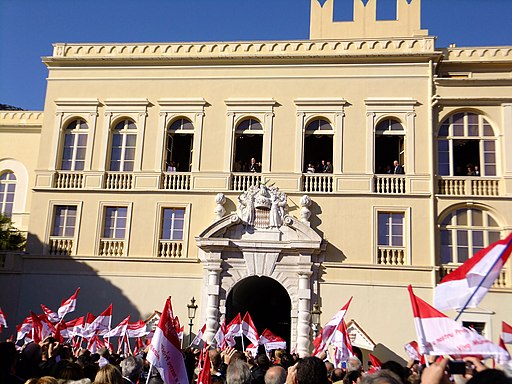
{"x":304,"y":314}
{"x":212,"y":303}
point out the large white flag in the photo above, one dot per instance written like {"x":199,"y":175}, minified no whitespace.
{"x":164,"y":351}
{"x":329,"y":328}
{"x":439,"y":335}
{"x":233,"y":329}
{"x":467,"y":285}
{"x":249,"y":329}
{"x":341,"y":341}
{"x":68,"y":305}
{"x":100,"y":325}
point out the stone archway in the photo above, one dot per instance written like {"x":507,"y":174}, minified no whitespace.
{"x":266,"y":300}
{"x":261,"y":241}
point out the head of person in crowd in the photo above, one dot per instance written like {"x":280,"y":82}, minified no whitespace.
{"x":8,"y":356}
{"x":286,"y":360}
{"x":67,"y":370}
{"x":352,"y":377}
{"x":383,"y":376}
{"x":337,"y":375}
{"x":238,"y":372}
{"x":275,"y":375}
{"x":263,"y":361}
{"x":397,"y":369}
{"x":311,"y":370}
{"x":215,"y":360}
{"x":108,"y":374}
{"x":353,"y":364}
{"x":330,"y":367}
{"x":131,"y":368}
{"x":43,"y":380}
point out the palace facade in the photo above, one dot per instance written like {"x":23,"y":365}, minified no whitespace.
{"x":136,"y":183}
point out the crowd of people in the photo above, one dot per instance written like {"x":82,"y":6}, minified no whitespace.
{"x":321,"y":167}
{"x":52,"y":363}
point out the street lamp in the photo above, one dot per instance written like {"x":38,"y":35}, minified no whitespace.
{"x":192,"y":307}
{"x":315,"y":318}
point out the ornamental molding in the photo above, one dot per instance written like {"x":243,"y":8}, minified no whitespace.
{"x":25,"y":118}
{"x":477,"y":54}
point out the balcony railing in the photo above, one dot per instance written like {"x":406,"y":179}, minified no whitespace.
{"x":391,"y":255}
{"x":170,"y":248}
{"x":68,"y":180}
{"x":320,"y":182}
{"x":503,"y":280}
{"x":176,"y":181}
{"x":112,"y":247}
{"x":118,"y":180}
{"x":60,"y":246}
{"x":389,"y":184}
{"x":468,"y":186}
{"x":242,"y":181}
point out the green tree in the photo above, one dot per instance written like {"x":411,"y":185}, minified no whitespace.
{"x":11,"y":239}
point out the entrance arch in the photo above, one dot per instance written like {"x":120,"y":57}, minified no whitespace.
{"x":266,"y":300}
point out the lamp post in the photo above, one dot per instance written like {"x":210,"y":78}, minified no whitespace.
{"x":315,"y":318}
{"x":192,"y":307}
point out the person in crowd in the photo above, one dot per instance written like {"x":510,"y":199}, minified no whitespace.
{"x":337,"y":375}
{"x":352,"y":377}
{"x":309,"y":370}
{"x":131,"y":368}
{"x":398,"y":369}
{"x":354,"y":364}
{"x":254,"y":166}
{"x":383,"y":376}
{"x":238,"y":372}
{"x":470,"y":171}
{"x":476,"y":171}
{"x":327,"y":167}
{"x":8,"y":356}
{"x":275,"y":375}
{"x":310,"y":168}
{"x":28,"y":364}
{"x":397,"y":168}
{"x":43,"y":380}
{"x":108,"y":374}
{"x":258,"y":370}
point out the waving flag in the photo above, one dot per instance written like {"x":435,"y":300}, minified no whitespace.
{"x":467,"y":285}
{"x":329,"y":328}
{"x":503,"y":359}
{"x":119,"y":330}
{"x":376,"y":363}
{"x":52,"y":317}
{"x":199,"y":337}
{"x":24,"y":328}
{"x":137,"y":329}
{"x":75,"y":327}
{"x":413,"y":352}
{"x":3,"y":321}
{"x":341,"y":341}
{"x":100,"y":324}
{"x":180,"y":330}
{"x":205,"y":376}
{"x":95,"y":344}
{"x":249,"y":329}
{"x":220,"y":336}
{"x":439,"y":335}
{"x":271,"y":341}
{"x":164,"y":351}
{"x":233,"y":329}
{"x":506,"y":333}
{"x":68,"y":305}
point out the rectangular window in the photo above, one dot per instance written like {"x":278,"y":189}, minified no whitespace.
{"x":173,"y":220}
{"x":64,"y":221}
{"x":391,"y":229}
{"x":114,"y":225}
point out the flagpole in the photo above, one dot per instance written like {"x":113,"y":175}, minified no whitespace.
{"x":149,"y":373}
{"x":508,"y":244}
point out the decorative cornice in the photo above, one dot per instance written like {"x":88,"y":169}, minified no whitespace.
{"x":24,"y":118}
{"x":478,"y":54}
{"x":249,"y":49}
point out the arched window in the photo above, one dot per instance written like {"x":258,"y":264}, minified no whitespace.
{"x":464,"y":232}
{"x":179,"y":146}
{"x":248,"y":146}
{"x":389,"y":145}
{"x":318,"y":145}
{"x":124,"y":140}
{"x":7,"y":191}
{"x":75,"y":145}
{"x":466,"y":146}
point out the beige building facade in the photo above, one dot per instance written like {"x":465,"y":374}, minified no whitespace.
{"x":135,"y":181}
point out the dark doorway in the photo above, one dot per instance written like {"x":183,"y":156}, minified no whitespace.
{"x":268,"y":303}
{"x":316,"y":149}
{"x":388,"y":149}
{"x":466,"y":154}
{"x":247,"y":147}
{"x":179,"y":151}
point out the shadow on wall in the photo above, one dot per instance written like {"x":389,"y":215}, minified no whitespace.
{"x":29,"y":279}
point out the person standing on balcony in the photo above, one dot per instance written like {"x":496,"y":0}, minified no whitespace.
{"x":397,"y":168}
{"x":328,"y":167}
{"x":254,"y":167}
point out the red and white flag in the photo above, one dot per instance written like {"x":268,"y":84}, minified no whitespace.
{"x":413,"y":352}
{"x":467,"y":285}
{"x":199,"y":337}
{"x":68,"y":305}
{"x":329,"y":328}
{"x":439,"y":335}
{"x":271,"y":341}
{"x":139,"y":345}
{"x":101,"y":324}
{"x":137,"y":329}
{"x":220,"y":336}
{"x":376,"y":363}
{"x":119,"y":330}
{"x":233,"y":329}
{"x":506,"y":333}
{"x":341,"y":341}
{"x":3,"y":321}
{"x":503,"y":359}
{"x":164,"y":351}
{"x":95,"y":344}
{"x":180,"y":330}
{"x":53,"y":317}
{"x":24,"y":328}
{"x":205,"y":376}
{"x":75,"y":327}
{"x":249,"y":329}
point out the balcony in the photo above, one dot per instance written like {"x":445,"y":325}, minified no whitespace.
{"x":391,"y":255}
{"x":468,"y":186}
{"x":112,"y":247}
{"x":242,"y":181}
{"x":170,"y":248}
{"x":176,"y":181}
{"x":60,"y":246}
{"x":317,"y":183}
{"x":389,"y":184}
{"x":68,"y":180}
{"x":503,"y":280}
{"x":119,"y":180}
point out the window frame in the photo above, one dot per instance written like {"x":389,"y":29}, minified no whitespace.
{"x":170,"y":132}
{"x":52,"y":205}
{"x":406,"y":235}
{"x":4,"y":195}
{"x":159,"y":216}
{"x":124,"y":133}
{"x":75,"y":133}
{"x":103,"y":205}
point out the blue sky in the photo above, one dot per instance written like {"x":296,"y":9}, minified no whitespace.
{"x":29,"y":27}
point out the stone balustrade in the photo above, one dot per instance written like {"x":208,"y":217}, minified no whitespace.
{"x":176,"y":181}
{"x":389,"y":184}
{"x":68,"y":180}
{"x":171,"y":248}
{"x":60,"y":246}
{"x":468,"y":186}
{"x":391,"y":255}
{"x":321,"y":182}
{"x":119,"y":180}
{"x":241,"y":181}
{"x":112,"y":247}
